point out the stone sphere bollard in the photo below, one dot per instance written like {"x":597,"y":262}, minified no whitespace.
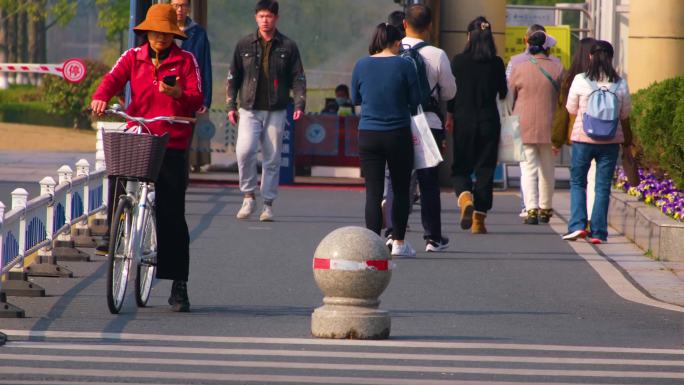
{"x":352,"y":268}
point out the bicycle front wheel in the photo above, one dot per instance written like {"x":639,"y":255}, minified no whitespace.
{"x":119,"y":258}
{"x":148,"y":262}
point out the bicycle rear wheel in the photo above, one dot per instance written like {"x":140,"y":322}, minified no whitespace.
{"x":119,"y":260}
{"x":148,"y":263}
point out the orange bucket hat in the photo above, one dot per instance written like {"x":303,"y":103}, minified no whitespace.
{"x":161,"y":18}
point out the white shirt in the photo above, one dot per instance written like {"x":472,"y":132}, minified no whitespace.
{"x":438,"y":72}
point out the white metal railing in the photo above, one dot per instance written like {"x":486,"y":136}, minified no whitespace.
{"x":33,"y":224}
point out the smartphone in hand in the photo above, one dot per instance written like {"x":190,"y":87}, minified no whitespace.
{"x":170,"y":80}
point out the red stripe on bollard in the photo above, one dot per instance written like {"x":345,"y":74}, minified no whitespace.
{"x":321,"y":264}
{"x":24,"y":68}
{"x":347,"y":265}
{"x":44,"y":68}
{"x":379,"y":264}
{"x":11,"y":68}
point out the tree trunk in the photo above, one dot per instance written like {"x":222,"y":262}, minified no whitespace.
{"x":12,"y":44}
{"x":22,"y":45}
{"x":3,"y":48}
{"x":37,"y":40}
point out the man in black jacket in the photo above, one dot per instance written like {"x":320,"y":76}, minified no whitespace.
{"x":266,"y":66}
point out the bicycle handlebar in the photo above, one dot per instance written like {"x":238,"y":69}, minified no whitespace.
{"x":170,"y":119}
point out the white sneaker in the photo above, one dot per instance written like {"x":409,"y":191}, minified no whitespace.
{"x":266,"y":214}
{"x":403,"y":250}
{"x":248,"y":205}
{"x":435,"y":246}
{"x":523,"y":213}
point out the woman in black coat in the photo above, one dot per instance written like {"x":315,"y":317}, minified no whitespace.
{"x":473,"y":115}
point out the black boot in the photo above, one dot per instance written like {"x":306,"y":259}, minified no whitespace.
{"x":179,"y":300}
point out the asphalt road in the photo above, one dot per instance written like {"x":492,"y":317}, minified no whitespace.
{"x":515,"y":306}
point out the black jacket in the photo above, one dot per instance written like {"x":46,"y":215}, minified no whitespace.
{"x":285,"y":67}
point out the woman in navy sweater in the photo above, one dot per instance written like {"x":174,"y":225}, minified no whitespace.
{"x":385,"y":85}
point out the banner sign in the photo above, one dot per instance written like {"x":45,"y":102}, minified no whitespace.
{"x":515,"y":42}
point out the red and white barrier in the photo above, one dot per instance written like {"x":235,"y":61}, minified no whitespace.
{"x":72,"y":70}
{"x":347,"y":265}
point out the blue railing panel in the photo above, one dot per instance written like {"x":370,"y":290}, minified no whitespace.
{"x":35,"y":232}
{"x":10,"y":248}
{"x":59,"y":218}
{"x":76,"y":205}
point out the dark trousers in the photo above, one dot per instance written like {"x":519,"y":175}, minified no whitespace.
{"x":476,"y":148}
{"x":394,"y":148}
{"x":430,"y":202}
{"x":173,"y":239}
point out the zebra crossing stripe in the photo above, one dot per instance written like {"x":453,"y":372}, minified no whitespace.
{"x":128,"y":373}
{"x":350,"y":355}
{"x":342,"y":354}
{"x":330,"y":342}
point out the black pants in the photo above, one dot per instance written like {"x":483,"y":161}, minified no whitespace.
{"x":476,"y":148}
{"x":394,"y":148}
{"x":173,"y":239}
{"x":430,"y":202}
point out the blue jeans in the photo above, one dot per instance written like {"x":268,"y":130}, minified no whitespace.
{"x":606,"y":157}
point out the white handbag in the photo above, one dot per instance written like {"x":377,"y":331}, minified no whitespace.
{"x":510,"y":142}
{"x":425,"y":150}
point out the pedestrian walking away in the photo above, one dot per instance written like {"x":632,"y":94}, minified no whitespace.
{"x":563,"y":121}
{"x":385,"y":86}
{"x":148,"y":68}
{"x":265,"y":67}
{"x":474,"y":117}
{"x":442,"y":85}
{"x":599,"y":88}
{"x":512,"y":63}
{"x":534,"y":85}
{"x":197,"y":43}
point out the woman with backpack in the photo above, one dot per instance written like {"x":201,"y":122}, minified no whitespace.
{"x":385,"y":85}
{"x":535,"y":84}
{"x":600,"y":103}
{"x":474,"y":117}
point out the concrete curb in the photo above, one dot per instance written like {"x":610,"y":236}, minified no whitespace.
{"x":647,"y":227}
{"x":660,"y":280}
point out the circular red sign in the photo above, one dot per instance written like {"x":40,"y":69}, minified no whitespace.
{"x":74,"y":70}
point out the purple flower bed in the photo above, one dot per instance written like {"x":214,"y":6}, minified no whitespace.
{"x":660,"y":193}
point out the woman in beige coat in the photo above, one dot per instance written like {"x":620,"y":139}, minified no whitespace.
{"x":535,"y":87}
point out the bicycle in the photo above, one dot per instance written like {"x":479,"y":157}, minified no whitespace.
{"x":133,"y":229}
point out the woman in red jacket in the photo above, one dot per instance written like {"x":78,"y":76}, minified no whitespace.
{"x":145,"y":67}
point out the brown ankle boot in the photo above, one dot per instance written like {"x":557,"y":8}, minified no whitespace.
{"x":479,"y":223}
{"x":465,"y":203}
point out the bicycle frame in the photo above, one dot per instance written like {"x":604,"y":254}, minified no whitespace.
{"x":139,"y":193}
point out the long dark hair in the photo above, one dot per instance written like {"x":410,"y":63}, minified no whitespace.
{"x":601,"y":62}
{"x":580,"y":61}
{"x":385,"y":35}
{"x":481,"y":42}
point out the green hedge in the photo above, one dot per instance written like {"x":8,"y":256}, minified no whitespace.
{"x":25,"y":104}
{"x":658,"y":125}
{"x":72,"y":99}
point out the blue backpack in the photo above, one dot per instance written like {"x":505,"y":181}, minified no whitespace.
{"x":411,"y":54}
{"x":601,"y":118}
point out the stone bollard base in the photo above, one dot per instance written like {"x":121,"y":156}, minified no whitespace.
{"x":345,"y":322}
{"x":7,"y":310}
{"x":65,"y":250}
{"x":81,"y":236}
{"x":18,"y":285}
{"x":98,"y":225}
{"x":46,"y":266}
